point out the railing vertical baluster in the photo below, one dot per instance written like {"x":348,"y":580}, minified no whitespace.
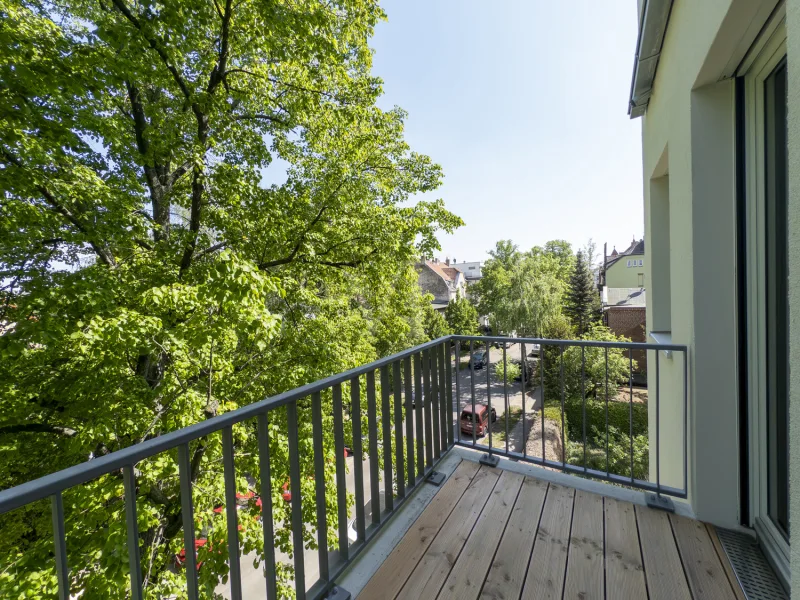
{"x":583,"y":401}
{"x":297,"y":506}
{"x":60,"y":542}
{"x":386,"y":422}
{"x":129,"y":481}
{"x":685,"y":353}
{"x":457,"y":425}
{"x":487,"y":363}
{"x":472,"y":386}
{"x":398,"y":431}
{"x":229,"y":470}
{"x":524,"y":411}
{"x":341,"y":474}
{"x":358,"y":456}
{"x":426,"y":377}
{"x":449,"y":409}
{"x":658,"y":441}
{"x":372,"y":432}
{"x":443,"y":387}
{"x":436,"y":441}
{"x":607,"y":468}
{"x":265,"y":491}
{"x":541,"y":373}
{"x":187,"y":514}
{"x":505,"y":393}
{"x":419,"y":400}
{"x":563,"y":446}
{"x":319,"y":484}
{"x":408,"y":382}
{"x":630,"y":406}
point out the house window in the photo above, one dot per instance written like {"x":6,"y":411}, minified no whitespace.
{"x":629,"y":263}
{"x":641,"y":262}
{"x":641,"y":280}
{"x":471,"y":268}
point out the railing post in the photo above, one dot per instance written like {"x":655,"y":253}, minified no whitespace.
{"x":297,"y":506}
{"x":129,"y":480}
{"x":449,"y":376}
{"x":341,"y":474}
{"x":457,"y":424}
{"x":489,"y":458}
{"x":229,"y":470}
{"x":60,"y":541}
{"x":358,"y":455}
{"x":386,"y":423}
{"x":407,"y":380}
{"x":372,"y":422}
{"x":265,"y":474}
{"x":398,"y":430}
{"x":187,"y":513}
{"x":319,"y":484}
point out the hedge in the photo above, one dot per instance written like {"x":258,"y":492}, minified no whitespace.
{"x":618,"y":417}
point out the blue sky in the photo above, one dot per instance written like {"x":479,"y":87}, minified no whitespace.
{"x":523,"y":103}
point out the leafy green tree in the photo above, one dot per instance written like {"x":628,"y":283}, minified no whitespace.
{"x":581,"y":300}
{"x":150,"y":280}
{"x":461,"y":316}
{"x":434,"y":323}
{"x":561,"y":252}
{"x":520,"y":292}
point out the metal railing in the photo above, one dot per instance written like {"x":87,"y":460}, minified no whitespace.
{"x":415,"y":377}
{"x":419,"y":420}
{"x":542,"y":372}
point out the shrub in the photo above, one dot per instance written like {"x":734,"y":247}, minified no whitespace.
{"x":512,"y":371}
{"x":618,"y":417}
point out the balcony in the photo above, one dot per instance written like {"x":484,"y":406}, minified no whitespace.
{"x":549,"y":499}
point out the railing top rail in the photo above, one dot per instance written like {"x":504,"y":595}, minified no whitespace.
{"x":48,"y":485}
{"x":577,"y":343}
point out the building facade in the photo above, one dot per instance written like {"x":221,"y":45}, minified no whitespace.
{"x":719,"y":97}
{"x":442,"y":281}
{"x":625,"y":269}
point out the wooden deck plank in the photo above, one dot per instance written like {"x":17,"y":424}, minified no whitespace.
{"x":624,"y":571}
{"x":389,"y":579}
{"x":545,"y":577}
{"x":662,"y":563}
{"x":427,"y":578}
{"x":585,"y":567}
{"x":706,"y":575}
{"x":467,"y":576}
{"x":507,"y":573}
{"x":723,"y":557}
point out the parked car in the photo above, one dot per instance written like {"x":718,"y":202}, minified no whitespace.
{"x":535,"y":350}
{"x":481,"y":419}
{"x":352,"y":534}
{"x":479,"y":360}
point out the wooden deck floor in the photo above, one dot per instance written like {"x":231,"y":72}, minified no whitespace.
{"x":492,"y":533}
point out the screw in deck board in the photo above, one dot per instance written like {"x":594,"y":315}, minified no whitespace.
{"x":490,"y":460}
{"x":338,"y":593}
{"x":659,"y":502}
{"x":436,"y":478}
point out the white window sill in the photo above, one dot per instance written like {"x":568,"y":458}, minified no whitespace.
{"x":662,"y":337}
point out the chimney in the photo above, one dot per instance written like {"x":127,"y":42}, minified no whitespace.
{"x":447,"y":261}
{"x":454,"y":261}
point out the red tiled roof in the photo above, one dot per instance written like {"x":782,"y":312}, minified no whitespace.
{"x":447,"y":273}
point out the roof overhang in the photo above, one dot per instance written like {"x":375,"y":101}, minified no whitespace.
{"x":652,"y":27}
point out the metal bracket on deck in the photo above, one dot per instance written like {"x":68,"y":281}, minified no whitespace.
{"x":659,"y":502}
{"x":436,"y":478}
{"x":490,"y":460}
{"x":338,"y":593}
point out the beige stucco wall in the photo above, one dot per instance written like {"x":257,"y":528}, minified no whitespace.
{"x":620,"y":275}
{"x":793,"y":52}
{"x":687,"y":133}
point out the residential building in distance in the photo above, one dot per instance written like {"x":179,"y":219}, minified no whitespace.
{"x":442,"y":281}
{"x":471,"y":270}
{"x":625,"y":269}
{"x":625,"y":314}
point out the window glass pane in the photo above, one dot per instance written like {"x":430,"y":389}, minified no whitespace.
{"x":777,"y":330}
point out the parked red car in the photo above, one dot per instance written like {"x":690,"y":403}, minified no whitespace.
{"x":480,"y":418}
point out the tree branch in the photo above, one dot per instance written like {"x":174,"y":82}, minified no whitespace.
{"x":105,"y":256}
{"x":156,"y":45}
{"x":293,"y":254}
{"x":38,"y":428}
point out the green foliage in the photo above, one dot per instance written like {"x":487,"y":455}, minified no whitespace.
{"x":150,"y":280}
{"x":582,"y":298}
{"x":434,"y":324}
{"x":619,"y":453}
{"x":596,"y":379}
{"x":521,"y":292}
{"x":512,"y":371}
{"x":618,"y":417}
{"x":461,"y":316}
